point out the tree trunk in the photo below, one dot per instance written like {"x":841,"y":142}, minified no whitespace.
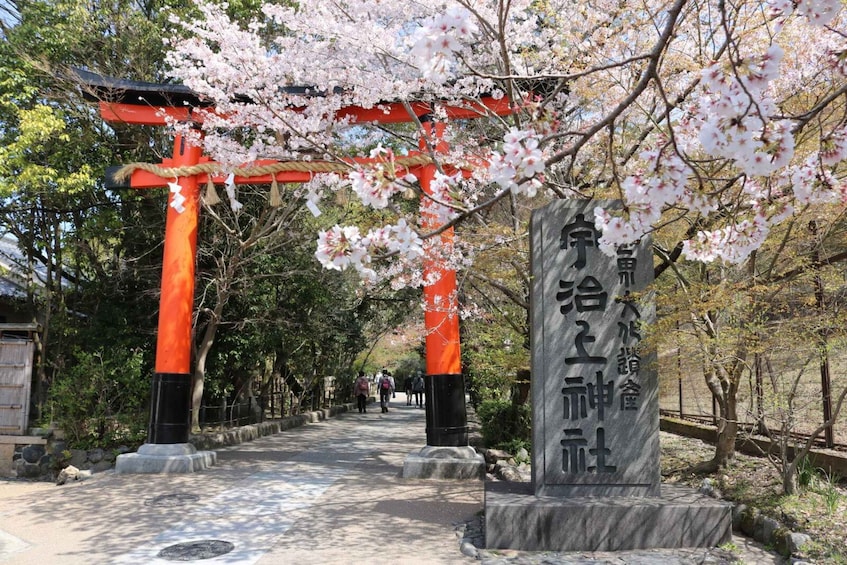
{"x":199,"y":377}
{"x":789,"y":477}
{"x":727,"y":433}
{"x":724,"y":391}
{"x":728,"y":423}
{"x":197,"y":384}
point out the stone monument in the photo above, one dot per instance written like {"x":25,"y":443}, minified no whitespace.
{"x":595,"y":462}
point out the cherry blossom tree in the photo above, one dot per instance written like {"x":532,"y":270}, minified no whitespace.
{"x":730,"y":116}
{"x":715,"y":122}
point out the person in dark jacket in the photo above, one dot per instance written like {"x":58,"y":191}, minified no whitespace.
{"x":407,"y":387}
{"x":418,"y":390}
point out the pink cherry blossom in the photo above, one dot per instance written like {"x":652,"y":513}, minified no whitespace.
{"x":679,"y":110}
{"x":340,"y":248}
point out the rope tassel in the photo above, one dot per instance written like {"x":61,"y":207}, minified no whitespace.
{"x":211,"y":197}
{"x":275,"y":198}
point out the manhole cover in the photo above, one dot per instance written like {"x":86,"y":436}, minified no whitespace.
{"x":195,"y":550}
{"x":167,"y":500}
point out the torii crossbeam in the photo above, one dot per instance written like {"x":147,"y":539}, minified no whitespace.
{"x":144,"y":103}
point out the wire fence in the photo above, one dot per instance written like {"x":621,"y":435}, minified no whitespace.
{"x":782,"y":387}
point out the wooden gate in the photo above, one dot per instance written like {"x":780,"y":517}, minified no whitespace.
{"x":15,"y":378}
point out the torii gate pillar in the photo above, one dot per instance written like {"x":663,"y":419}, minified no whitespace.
{"x":167,"y":449}
{"x":447,"y":454}
{"x":170,"y":410}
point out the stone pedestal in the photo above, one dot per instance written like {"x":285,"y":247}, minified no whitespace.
{"x":680,"y":517}
{"x":165,"y":458}
{"x":435,"y":462}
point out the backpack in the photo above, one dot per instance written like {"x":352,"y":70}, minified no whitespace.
{"x":363,"y":385}
{"x":418,"y":385}
{"x":385,"y":385}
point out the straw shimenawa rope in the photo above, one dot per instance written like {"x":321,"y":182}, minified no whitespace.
{"x":126,"y":171}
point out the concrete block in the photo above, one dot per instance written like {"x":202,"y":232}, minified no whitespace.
{"x":165,"y":458}
{"x":23,"y":440}
{"x":433,"y":462}
{"x":517,"y":519}
{"x":7,"y":452}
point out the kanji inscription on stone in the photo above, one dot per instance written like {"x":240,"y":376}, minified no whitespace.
{"x":595,"y":388}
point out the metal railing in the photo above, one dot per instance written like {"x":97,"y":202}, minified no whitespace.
{"x":256,"y":409}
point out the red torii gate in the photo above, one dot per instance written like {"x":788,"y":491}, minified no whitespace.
{"x":143,"y":103}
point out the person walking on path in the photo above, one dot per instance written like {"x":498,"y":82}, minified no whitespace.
{"x":407,"y":387}
{"x":361,"y":389}
{"x":386,"y":389}
{"x":418,"y":389}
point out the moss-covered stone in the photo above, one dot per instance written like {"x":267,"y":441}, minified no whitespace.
{"x":748,"y":521}
{"x":780,"y":541}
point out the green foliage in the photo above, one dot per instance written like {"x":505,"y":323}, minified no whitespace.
{"x":805,"y":473}
{"x":408,"y":366}
{"x":831,"y":494}
{"x":514,"y":447}
{"x":493,"y":353}
{"x":99,"y":400}
{"x":820,"y":481}
{"x":285,"y":316}
{"x":504,"y":424}
{"x":90,"y":246}
{"x":729,"y":546}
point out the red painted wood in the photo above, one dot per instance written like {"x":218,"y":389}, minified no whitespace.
{"x":141,"y":115}
{"x":441,"y":319}
{"x":176,"y":304}
{"x":388,"y":113}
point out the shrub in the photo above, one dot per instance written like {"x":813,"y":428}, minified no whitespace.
{"x":504,"y":423}
{"x":100,"y":400}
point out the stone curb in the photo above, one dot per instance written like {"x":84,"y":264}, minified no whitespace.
{"x":234,"y":436}
{"x":766,"y":530}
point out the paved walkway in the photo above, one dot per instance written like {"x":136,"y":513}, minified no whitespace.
{"x":325,"y":493}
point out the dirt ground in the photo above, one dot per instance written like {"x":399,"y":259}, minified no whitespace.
{"x":819,"y":510}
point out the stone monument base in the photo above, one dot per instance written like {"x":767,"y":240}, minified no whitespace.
{"x":165,"y":458}
{"x":435,"y":462}
{"x":681,"y":517}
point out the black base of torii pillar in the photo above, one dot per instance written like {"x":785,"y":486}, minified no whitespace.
{"x":446,"y":412}
{"x":167,"y":449}
{"x":447,"y":454}
{"x":170,"y":408}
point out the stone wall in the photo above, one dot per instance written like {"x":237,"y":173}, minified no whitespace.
{"x":234,"y":436}
{"x":44,"y":454}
